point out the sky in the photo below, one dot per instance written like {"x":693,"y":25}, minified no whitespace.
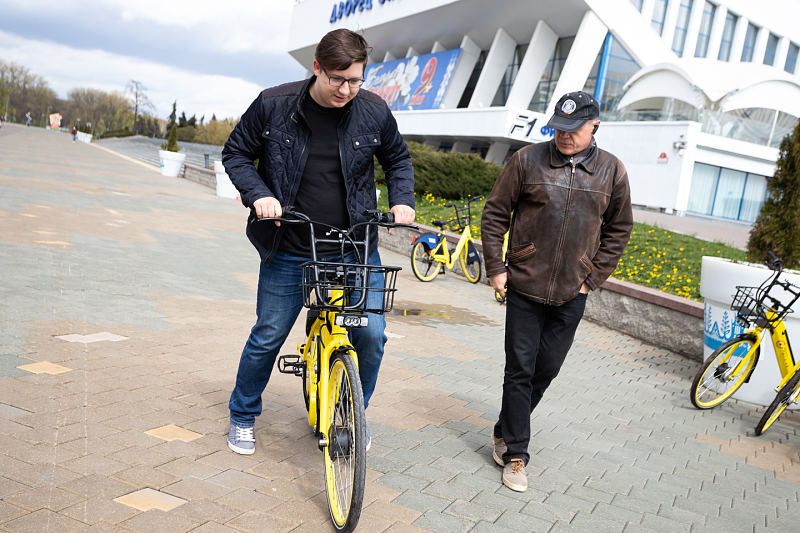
{"x":211,"y":57}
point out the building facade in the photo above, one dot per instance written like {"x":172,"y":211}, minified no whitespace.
{"x":695,"y":94}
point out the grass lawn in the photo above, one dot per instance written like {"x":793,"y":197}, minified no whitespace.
{"x":655,"y":257}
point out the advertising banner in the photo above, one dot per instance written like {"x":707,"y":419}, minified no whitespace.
{"x":55,"y":120}
{"x":418,"y":82}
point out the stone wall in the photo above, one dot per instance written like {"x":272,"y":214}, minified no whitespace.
{"x":655,"y":317}
{"x":200,"y":175}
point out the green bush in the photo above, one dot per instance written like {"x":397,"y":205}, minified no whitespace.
{"x":172,"y":142}
{"x":187,"y":133}
{"x":777,"y":227}
{"x":448,"y":175}
{"x":117,"y":133}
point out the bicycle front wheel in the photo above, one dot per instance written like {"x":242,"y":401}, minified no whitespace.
{"x":724,"y":372}
{"x":345,"y":455}
{"x":424,"y":266}
{"x":785,"y":397}
{"x":472,"y":271}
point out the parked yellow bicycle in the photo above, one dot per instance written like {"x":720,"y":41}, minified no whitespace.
{"x":731,"y":365}
{"x":338,"y":296}
{"x":430,"y":253}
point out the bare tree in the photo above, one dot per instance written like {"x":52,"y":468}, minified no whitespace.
{"x":139,"y":100}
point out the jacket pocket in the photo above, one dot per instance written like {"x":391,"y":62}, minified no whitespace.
{"x":587,"y":264}
{"x":275,"y":135}
{"x":518,"y":253}
{"x":366,"y":140}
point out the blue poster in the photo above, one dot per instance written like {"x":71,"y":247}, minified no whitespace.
{"x":418,"y":82}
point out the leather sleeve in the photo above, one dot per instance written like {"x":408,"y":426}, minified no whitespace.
{"x":243,"y":147}
{"x":497,"y":211}
{"x":615,"y":231}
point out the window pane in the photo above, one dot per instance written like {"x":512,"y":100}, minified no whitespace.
{"x":705,"y":30}
{"x":749,"y":43}
{"x":754,"y":193}
{"x":727,"y":37}
{"x":659,"y":14}
{"x":679,"y":40}
{"x":772,"y":46}
{"x":704,"y":183}
{"x":729,"y":193}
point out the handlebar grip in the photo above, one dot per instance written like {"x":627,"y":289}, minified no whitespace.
{"x":387,"y":218}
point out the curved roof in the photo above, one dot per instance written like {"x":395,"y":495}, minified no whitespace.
{"x":715,"y":85}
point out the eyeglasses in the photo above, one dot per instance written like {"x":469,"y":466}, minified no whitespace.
{"x":338,"y":81}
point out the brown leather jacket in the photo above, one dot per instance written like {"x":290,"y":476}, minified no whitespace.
{"x":570,"y":222}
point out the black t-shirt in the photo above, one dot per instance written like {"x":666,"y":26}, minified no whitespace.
{"x":322,"y":194}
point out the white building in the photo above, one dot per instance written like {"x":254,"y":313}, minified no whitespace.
{"x":695,"y":94}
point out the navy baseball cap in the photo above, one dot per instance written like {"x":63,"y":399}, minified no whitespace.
{"x":573,"y":110}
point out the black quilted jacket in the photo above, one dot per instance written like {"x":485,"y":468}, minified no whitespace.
{"x":274,"y":132}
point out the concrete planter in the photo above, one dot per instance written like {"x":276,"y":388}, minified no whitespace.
{"x":171,"y":162}
{"x":718,"y":280}
{"x":225,"y":188}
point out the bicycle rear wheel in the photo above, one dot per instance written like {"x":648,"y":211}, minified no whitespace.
{"x":345,"y":455}
{"x":783,"y":399}
{"x":724,"y":372}
{"x":425,"y":268}
{"x":472,"y":271}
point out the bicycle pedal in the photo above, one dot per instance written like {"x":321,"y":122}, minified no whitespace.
{"x":291,"y":364}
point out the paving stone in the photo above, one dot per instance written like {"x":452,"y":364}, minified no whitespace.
{"x":421,"y":502}
{"x":443,"y":523}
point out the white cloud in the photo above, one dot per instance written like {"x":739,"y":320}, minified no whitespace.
{"x":67,"y":68}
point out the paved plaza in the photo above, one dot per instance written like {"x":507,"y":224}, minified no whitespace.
{"x":126,"y":298}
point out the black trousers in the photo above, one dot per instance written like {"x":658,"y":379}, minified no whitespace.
{"x":537,"y":340}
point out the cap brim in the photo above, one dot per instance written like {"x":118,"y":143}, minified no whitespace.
{"x":565,"y":124}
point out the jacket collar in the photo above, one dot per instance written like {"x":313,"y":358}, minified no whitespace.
{"x":587,"y":159}
{"x":297,"y":110}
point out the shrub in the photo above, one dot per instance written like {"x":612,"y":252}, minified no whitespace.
{"x":172,"y":142}
{"x":117,"y":133}
{"x":448,"y":175}
{"x":777,"y":227}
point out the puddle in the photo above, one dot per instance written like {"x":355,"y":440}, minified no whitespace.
{"x":428,"y":313}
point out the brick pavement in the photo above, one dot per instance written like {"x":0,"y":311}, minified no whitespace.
{"x":126,"y":298}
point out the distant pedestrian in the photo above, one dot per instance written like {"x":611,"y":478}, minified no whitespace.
{"x":28,"y":118}
{"x":571,"y":221}
{"x":74,"y":133}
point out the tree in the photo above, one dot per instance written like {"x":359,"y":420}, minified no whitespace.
{"x":182,"y":122}
{"x":140,"y":100}
{"x":172,"y":142}
{"x":777,"y":227}
{"x":172,"y":116}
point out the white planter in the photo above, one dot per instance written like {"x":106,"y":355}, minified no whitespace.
{"x":718,"y":280}
{"x":171,"y":162}
{"x":84,"y":137}
{"x":225,"y":188}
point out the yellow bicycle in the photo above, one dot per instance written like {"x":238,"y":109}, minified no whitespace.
{"x":338,"y":295}
{"x":430,"y":253}
{"x":731,"y":365}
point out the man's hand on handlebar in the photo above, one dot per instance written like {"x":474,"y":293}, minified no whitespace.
{"x":403,"y":214}
{"x":268,"y":207}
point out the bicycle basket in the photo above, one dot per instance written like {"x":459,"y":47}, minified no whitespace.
{"x":346,"y":287}
{"x":749,"y":305}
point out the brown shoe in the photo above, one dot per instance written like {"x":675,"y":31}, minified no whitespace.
{"x":514,"y":476}
{"x":499,"y":449}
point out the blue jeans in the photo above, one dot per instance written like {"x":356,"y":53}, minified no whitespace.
{"x":280,"y":299}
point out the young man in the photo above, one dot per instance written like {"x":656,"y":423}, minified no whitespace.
{"x":314,"y":141}
{"x":571,"y":222}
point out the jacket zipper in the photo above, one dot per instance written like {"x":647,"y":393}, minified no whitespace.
{"x":563,"y":232}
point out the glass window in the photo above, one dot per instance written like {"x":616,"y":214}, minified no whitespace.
{"x":730,"y":188}
{"x":772,"y":47}
{"x":727,"y":37}
{"x":791,"y":58}
{"x":682,"y":25}
{"x":755,"y":191}
{"x":610,"y":75}
{"x":544,"y":91}
{"x":749,"y":43}
{"x":704,"y":183}
{"x":637,"y":4}
{"x":705,"y":30}
{"x":659,"y":14}
{"x":510,"y":75}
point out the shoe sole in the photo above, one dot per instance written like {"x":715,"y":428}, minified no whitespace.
{"x":516,"y":488}
{"x":241,"y":451}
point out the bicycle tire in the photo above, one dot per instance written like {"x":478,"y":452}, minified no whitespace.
{"x":472,"y":271}
{"x":423,"y":266}
{"x":345,"y":454}
{"x":499,"y":299}
{"x":712,"y":385}
{"x":782,"y":400}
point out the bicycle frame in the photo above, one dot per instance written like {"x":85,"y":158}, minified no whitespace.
{"x":323,"y":332}
{"x":441,"y":252}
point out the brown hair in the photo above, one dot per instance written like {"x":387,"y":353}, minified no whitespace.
{"x":339,"y":49}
